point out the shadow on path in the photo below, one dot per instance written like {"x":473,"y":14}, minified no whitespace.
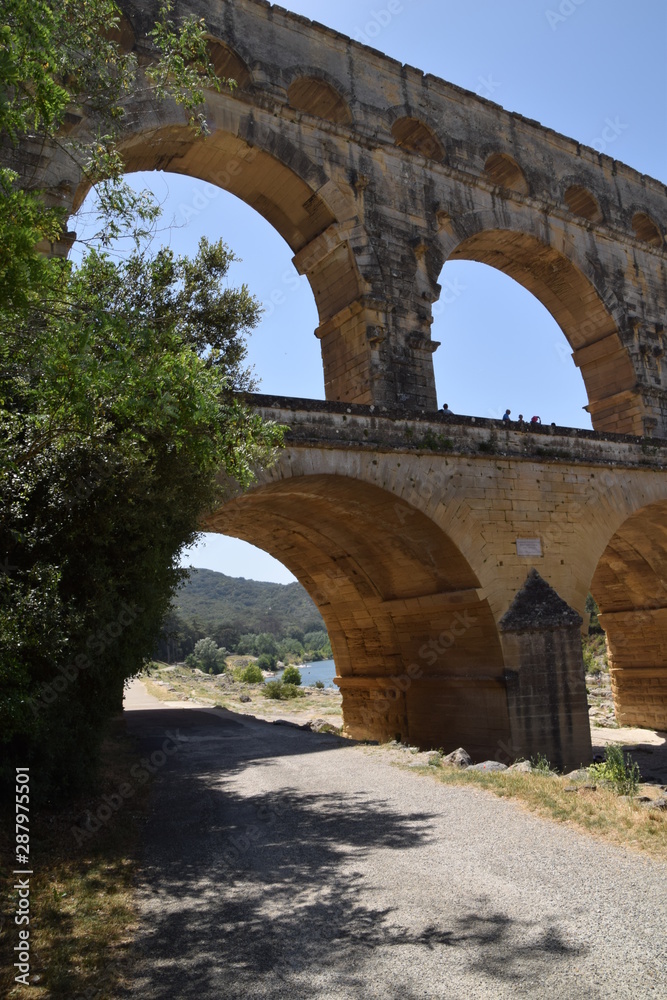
{"x":255,"y":887}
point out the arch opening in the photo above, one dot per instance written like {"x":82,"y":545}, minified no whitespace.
{"x":646,"y":229}
{"x":284,"y":356}
{"x":290,"y":203}
{"x":573,"y":302}
{"x":228,"y":64}
{"x":273,"y":177}
{"x":416,"y":649}
{"x":580,"y":201}
{"x":416,"y":136}
{"x":317,"y":97}
{"x":504,"y":171}
{"x":630,"y":588}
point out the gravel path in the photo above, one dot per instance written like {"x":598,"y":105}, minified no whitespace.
{"x":284,"y":864}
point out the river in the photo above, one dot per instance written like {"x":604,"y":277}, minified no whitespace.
{"x":324,"y":670}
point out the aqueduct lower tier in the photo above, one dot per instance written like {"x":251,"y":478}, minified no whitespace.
{"x":451,"y":559}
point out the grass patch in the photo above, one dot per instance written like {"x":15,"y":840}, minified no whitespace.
{"x":81,"y":897}
{"x":601,"y":812}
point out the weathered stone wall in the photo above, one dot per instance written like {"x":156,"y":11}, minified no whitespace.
{"x":377,"y":174}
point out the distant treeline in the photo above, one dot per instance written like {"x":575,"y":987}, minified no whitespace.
{"x":228,"y":609}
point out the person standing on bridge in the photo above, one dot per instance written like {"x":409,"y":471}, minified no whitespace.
{"x":506,"y":416}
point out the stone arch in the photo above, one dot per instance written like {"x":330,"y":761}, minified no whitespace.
{"x":416,"y":647}
{"x":316,"y":218}
{"x":630,"y":587}
{"x":416,"y":136}
{"x":318,"y":97}
{"x":580,"y":201}
{"x":228,"y":64}
{"x":647,"y":229}
{"x":586,"y":320}
{"x":504,"y":171}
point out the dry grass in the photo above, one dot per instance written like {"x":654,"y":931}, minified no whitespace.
{"x":81,"y":897}
{"x":601,"y":812}
{"x":204,"y":690}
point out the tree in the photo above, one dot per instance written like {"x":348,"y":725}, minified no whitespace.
{"x":291,"y":675}
{"x":119,"y":400}
{"x":208,"y":657}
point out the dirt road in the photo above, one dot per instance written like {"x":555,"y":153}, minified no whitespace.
{"x":281,"y":863}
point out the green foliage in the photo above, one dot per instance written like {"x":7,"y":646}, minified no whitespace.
{"x":265,"y":661}
{"x":319,"y":685}
{"x":291,"y":675}
{"x":214,"y":601}
{"x":208,"y":657}
{"x":119,"y":395}
{"x":593,"y":610}
{"x":315,"y":640}
{"x":252,"y":674}
{"x":282,"y":692}
{"x":594,"y":651}
{"x":617,"y":770}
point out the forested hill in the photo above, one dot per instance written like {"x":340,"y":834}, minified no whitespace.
{"x":212,"y":600}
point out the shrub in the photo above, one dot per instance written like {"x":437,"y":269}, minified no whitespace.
{"x":282,"y":692}
{"x":207,"y":657}
{"x":319,"y":684}
{"x":252,"y":674}
{"x":617,"y":770}
{"x":540,"y":764}
{"x":266,"y":661}
{"x":291,"y":675}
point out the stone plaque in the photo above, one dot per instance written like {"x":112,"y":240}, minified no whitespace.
{"x":528,"y":547}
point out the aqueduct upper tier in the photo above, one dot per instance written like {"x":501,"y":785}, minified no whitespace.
{"x":377,"y":174}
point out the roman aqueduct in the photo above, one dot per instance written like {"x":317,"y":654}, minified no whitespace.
{"x":450,"y":557}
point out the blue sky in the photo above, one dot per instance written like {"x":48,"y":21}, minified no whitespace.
{"x":594,"y":70}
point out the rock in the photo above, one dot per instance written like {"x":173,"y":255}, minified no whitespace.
{"x":571,"y":788}
{"x":488,"y":765}
{"x":587,"y":788}
{"x":522,"y":767}
{"x":457,"y":758}
{"x":660,"y":804}
{"x":245,"y":698}
{"x":321,"y":726}
{"x":200,"y":672}
{"x":286,"y":722}
{"x":581,"y":774}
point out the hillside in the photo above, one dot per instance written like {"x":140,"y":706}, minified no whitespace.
{"x":212,"y":601}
